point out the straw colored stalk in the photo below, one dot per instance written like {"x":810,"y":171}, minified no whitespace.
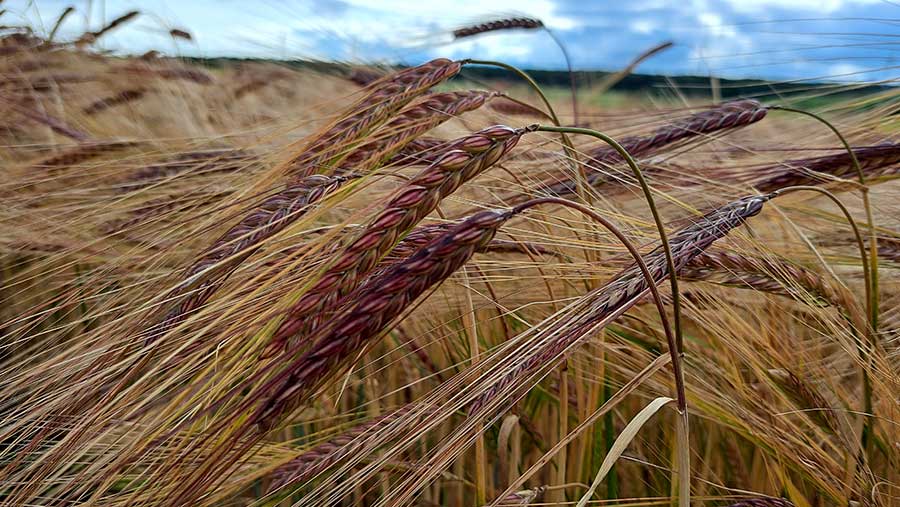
{"x":239,"y":242}
{"x":385,"y":97}
{"x":472,"y":155}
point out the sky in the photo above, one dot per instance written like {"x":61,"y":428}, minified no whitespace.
{"x":841,"y":40}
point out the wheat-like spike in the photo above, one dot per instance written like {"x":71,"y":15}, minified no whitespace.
{"x":415,"y":200}
{"x":763,"y":502}
{"x":767,"y":275}
{"x":54,"y":124}
{"x":176,"y":33}
{"x":364,"y":76}
{"x":272,"y":216}
{"x":81,"y":153}
{"x":806,"y":398}
{"x":323,"y":456}
{"x":91,"y":37}
{"x":193,"y":75}
{"x":513,"y":108}
{"x":624,"y":290}
{"x":889,"y":248}
{"x":118,"y":99}
{"x":155,"y":208}
{"x":423,"y":234}
{"x":421,"y":151}
{"x":522,"y":498}
{"x":412,"y":122}
{"x":875,"y":161}
{"x":387,"y":96}
{"x":210,"y":161}
{"x":729,"y":115}
{"x":499,"y":24}
{"x":370,"y":310}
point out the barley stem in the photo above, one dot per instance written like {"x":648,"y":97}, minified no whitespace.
{"x":864,"y":356}
{"x":871,"y":276}
{"x":676,"y":351}
{"x":567,"y":143}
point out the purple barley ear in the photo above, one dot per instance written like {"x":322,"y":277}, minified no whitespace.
{"x":499,"y":24}
{"x":423,"y":234}
{"x":472,"y":155}
{"x":118,"y":99}
{"x":730,"y":115}
{"x":82,"y":152}
{"x":763,"y":502}
{"x":371,"y":310}
{"x":422,"y":151}
{"x":875,"y":161}
{"x":222,"y":258}
{"x":384,"y":99}
{"x":771,"y":275}
{"x":409,"y":124}
{"x":364,"y":76}
{"x":320,"y":458}
{"x":625,"y":288}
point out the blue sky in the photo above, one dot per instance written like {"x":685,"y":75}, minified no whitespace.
{"x":776,"y":39}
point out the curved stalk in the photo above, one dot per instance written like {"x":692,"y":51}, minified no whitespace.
{"x":567,"y":143}
{"x":674,"y":348}
{"x":682,"y":426}
{"x":867,"y":384}
{"x":565,"y":53}
{"x":871,"y":274}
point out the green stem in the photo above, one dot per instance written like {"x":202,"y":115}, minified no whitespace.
{"x":867,"y":385}
{"x":567,"y":143}
{"x":648,"y":194}
{"x":565,"y":53}
{"x":676,"y":348}
{"x":870,"y":273}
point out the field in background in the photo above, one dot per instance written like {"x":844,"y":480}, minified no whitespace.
{"x":253,"y":284}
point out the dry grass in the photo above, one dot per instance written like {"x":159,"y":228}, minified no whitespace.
{"x":257,"y":285}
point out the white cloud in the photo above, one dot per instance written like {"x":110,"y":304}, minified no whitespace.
{"x":643,"y":26}
{"x":821,"y":6}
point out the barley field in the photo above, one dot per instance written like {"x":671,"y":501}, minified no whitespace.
{"x":262,"y":284}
